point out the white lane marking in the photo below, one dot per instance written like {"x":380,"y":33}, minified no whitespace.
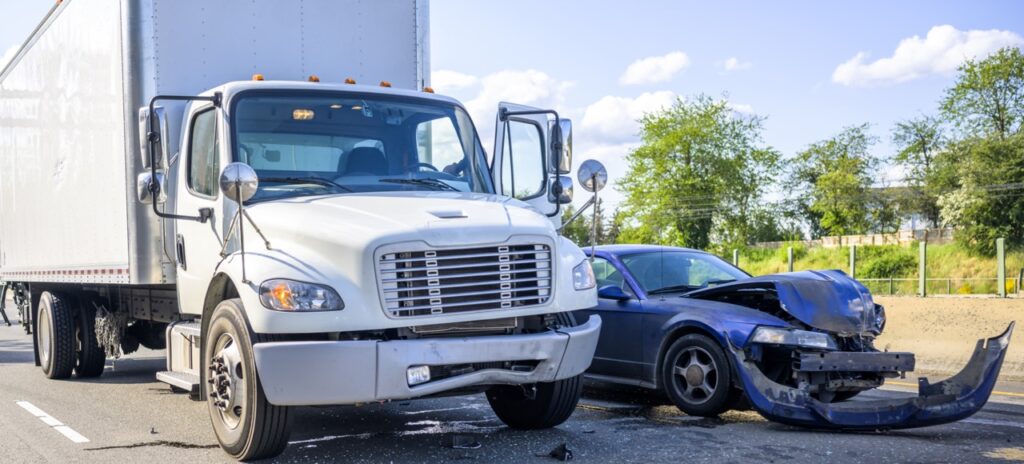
{"x":52,"y":422}
{"x":1019,"y":425}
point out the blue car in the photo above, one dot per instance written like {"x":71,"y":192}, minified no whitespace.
{"x":796,"y":347}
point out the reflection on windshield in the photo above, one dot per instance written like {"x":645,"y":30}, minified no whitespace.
{"x":679,"y":271}
{"x":312,"y":144}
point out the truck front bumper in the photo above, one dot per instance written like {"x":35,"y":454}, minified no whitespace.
{"x":949,"y":400}
{"x":348,"y":372}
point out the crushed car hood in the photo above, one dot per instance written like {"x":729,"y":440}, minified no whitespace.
{"x":825,"y":300}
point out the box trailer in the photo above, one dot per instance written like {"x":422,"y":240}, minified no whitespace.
{"x":272,"y":192}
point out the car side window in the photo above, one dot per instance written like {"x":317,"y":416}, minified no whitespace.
{"x":606,"y":274}
{"x":204,"y":155}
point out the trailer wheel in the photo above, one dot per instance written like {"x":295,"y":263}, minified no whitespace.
{"x":541,"y":405}
{"x":91,"y":359}
{"x":696,"y":376}
{"x":246,"y":424}
{"x":55,"y":336}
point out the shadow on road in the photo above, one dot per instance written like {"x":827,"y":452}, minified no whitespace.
{"x":16,"y":352}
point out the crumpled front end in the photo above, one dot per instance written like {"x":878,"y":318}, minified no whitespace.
{"x":947,"y":401}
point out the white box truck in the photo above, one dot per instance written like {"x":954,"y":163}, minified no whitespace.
{"x":173,"y":174}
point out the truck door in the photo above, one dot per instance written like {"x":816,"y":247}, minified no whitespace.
{"x":198,"y":244}
{"x":522,"y":166}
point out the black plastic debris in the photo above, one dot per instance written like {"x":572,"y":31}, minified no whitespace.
{"x":464,"y":442}
{"x":561,"y":453}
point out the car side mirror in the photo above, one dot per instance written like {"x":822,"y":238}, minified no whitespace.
{"x":612,"y":292}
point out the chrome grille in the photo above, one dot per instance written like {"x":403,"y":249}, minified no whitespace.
{"x":445,"y":281}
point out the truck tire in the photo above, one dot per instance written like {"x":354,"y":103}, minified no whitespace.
{"x":696,"y":376}
{"x":90,"y":358}
{"x":246,"y":424}
{"x":55,"y":336}
{"x":541,"y":405}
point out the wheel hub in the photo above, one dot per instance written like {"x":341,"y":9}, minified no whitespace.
{"x":694,"y":375}
{"x":226,"y":386}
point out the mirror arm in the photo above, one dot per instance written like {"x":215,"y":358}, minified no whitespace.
{"x":577,"y":214}
{"x":153,"y":137}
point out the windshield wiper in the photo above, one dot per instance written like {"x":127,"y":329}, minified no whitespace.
{"x":306,"y":180}
{"x":672,"y":289}
{"x":439,"y":185}
{"x":717,"y":282}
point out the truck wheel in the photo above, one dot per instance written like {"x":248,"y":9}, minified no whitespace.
{"x":246,"y":425}
{"x":541,"y":405}
{"x":696,"y":376}
{"x":91,"y":359}
{"x":56,"y":336}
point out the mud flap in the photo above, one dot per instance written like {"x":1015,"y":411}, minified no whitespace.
{"x":947,"y":401}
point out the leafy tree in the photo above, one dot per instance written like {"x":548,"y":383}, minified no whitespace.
{"x":919,"y":141}
{"x":833,"y":178}
{"x":699,"y":174}
{"x":579,"y":231}
{"x":988,"y":96}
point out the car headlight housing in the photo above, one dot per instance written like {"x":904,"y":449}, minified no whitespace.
{"x":583,"y":276}
{"x":793,"y":337}
{"x":879,"y":318}
{"x":295,"y":296}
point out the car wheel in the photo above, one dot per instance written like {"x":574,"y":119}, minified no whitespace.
{"x":696,"y":376}
{"x":246,"y":424}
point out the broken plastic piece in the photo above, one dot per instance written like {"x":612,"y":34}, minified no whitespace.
{"x":561,"y":453}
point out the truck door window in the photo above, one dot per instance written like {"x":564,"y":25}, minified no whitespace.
{"x":523,"y":161}
{"x":204,"y":161}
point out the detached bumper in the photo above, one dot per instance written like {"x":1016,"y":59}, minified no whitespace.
{"x":347,"y":372}
{"x":949,"y":400}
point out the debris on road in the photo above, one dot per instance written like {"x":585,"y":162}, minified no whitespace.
{"x":561,"y":453}
{"x":464,"y":442}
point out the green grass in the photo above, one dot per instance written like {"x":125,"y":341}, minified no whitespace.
{"x":959,"y":269}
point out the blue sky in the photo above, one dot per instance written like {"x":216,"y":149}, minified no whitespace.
{"x":574,"y":55}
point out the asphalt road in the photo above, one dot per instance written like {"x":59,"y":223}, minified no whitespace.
{"x":127,"y":416}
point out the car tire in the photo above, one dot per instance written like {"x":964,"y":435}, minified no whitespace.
{"x":252,"y":428}
{"x":55,"y":334}
{"x":696,"y":376}
{"x":90,"y":359}
{"x":541,"y":405}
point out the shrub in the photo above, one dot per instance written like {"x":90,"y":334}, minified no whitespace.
{"x":893,"y":264}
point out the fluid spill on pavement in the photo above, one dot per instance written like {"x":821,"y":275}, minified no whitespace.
{"x":1006,"y":454}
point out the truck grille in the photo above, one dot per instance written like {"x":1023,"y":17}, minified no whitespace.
{"x":446,"y":281}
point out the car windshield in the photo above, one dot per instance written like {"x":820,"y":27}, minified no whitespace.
{"x":323,"y":143}
{"x":679,"y":271}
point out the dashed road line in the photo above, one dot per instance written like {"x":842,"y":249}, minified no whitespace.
{"x":52,"y":422}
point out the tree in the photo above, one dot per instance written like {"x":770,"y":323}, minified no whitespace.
{"x":919,"y":141}
{"x":833,"y":180}
{"x":697,"y":176}
{"x":988,"y":95}
{"x":579,"y":231}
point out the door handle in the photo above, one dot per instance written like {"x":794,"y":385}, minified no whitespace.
{"x":180,"y":251}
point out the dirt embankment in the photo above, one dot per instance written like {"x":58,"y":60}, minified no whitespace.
{"x":942,"y":332}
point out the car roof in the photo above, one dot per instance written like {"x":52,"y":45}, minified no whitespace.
{"x":622,"y":250}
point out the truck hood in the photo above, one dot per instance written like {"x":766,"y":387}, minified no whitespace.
{"x":438,"y":218}
{"x":826,"y":300}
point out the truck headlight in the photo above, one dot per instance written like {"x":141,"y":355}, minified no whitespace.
{"x":793,"y":337}
{"x":292,"y":295}
{"x":583,"y":276}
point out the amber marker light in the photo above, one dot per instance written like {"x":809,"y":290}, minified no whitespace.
{"x":428,"y":89}
{"x":257,"y":77}
{"x":349,"y":80}
{"x":385,"y":84}
{"x":314,"y":78}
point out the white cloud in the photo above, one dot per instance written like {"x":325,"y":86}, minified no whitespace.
{"x":734,"y":64}
{"x":939,"y":52}
{"x":654,"y":69}
{"x":742,"y":108}
{"x":8,"y":55}
{"x":447,"y":81}
{"x":614,"y":119}
{"x":613,"y":156}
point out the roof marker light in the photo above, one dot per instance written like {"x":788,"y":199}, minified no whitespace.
{"x":350,"y":80}
{"x":257,"y":77}
{"x":314,"y":78}
{"x":385,"y":84}
{"x":428,"y":89}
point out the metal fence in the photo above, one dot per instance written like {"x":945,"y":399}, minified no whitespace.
{"x":940,"y":286}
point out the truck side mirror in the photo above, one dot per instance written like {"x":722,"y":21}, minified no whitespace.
{"x":142,"y":189}
{"x":560,"y":161}
{"x":592,"y":176}
{"x":560,"y":190}
{"x":144,"y":134}
{"x":238,"y":182}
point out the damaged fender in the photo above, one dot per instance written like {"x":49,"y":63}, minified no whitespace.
{"x":947,"y":401}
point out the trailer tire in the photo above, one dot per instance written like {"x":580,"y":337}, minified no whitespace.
{"x":253,"y":429}
{"x":55,"y":336}
{"x":549,"y":404}
{"x":90,"y":358}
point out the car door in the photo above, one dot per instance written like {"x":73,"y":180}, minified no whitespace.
{"x":198,"y":244}
{"x":620,"y":346}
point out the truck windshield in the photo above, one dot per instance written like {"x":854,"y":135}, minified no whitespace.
{"x":313,"y":144}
